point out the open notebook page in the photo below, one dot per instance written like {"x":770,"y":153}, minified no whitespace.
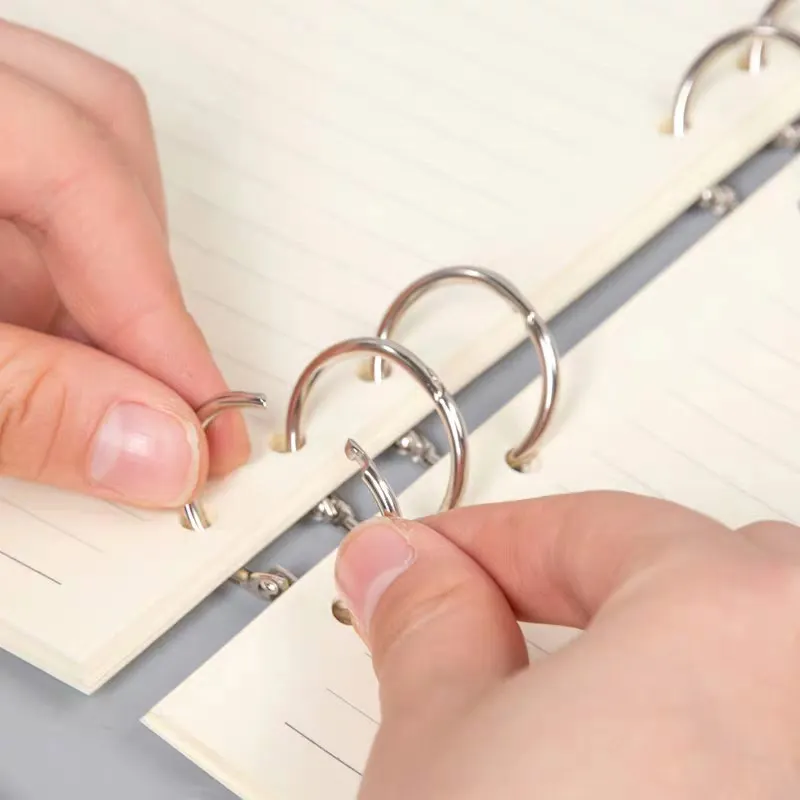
{"x":316,"y":161}
{"x":690,"y":392}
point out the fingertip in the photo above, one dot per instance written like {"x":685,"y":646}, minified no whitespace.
{"x":369,"y":560}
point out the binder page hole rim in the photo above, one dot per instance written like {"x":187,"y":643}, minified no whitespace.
{"x":365,"y":371}
{"x":280,"y":444}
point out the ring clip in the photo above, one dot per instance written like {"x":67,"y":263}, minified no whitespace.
{"x":445,"y":405}
{"x":679,"y":123}
{"x":384,"y":497}
{"x":755,"y":59}
{"x":193,"y":515}
{"x":521,"y":455}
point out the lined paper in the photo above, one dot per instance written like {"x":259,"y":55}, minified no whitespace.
{"x":314,"y":164}
{"x":691,"y":392}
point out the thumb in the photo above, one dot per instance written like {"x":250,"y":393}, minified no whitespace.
{"x":79,"y":419}
{"x":440,"y":630}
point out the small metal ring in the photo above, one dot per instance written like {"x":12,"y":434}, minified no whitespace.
{"x":193,"y":515}
{"x":683,"y":96}
{"x":385,"y":499}
{"x":521,"y":455}
{"x":445,"y":405}
{"x":753,"y":61}
{"x":381,"y":492}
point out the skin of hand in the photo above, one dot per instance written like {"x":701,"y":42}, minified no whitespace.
{"x":101,"y":365}
{"x":683,"y":682}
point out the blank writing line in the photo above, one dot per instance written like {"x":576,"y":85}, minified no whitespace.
{"x":320,"y":747}
{"x":62,"y":531}
{"x":537,"y":647}
{"x":354,"y":707}
{"x":29,"y":567}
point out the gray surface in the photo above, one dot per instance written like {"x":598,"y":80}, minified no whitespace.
{"x":56,"y":742}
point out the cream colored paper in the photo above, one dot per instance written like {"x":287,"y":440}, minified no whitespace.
{"x":317,"y":158}
{"x":690,"y":392}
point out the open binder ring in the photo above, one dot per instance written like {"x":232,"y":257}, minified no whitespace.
{"x":384,"y":497}
{"x":683,"y":97}
{"x":754,"y":60}
{"x":521,"y":455}
{"x":445,"y":405}
{"x":194,"y":515}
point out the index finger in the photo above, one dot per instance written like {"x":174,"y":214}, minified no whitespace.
{"x":105,"y":247}
{"x":558,"y":559}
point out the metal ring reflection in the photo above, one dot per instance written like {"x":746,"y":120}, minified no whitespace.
{"x":538,"y":333}
{"x":685,"y":93}
{"x":194,"y":516}
{"x":754,"y":60}
{"x":444,"y":404}
{"x":385,"y":499}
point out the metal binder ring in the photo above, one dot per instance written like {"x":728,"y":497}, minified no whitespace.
{"x":685,"y":92}
{"x":521,"y":455}
{"x":445,"y":405}
{"x":754,"y":60}
{"x":381,"y":492}
{"x":193,"y":515}
{"x":384,"y":497}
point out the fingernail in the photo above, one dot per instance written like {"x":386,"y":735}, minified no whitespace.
{"x":369,"y":561}
{"x":146,"y":456}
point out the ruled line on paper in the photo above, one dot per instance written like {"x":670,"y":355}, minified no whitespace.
{"x":321,"y":748}
{"x":332,"y":123}
{"x":129,"y":510}
{"x":536,"y":647}
{"x":627,"y":80}
{"x":267,"y":139}
{"x":62,"y":531}
{"x":222,"y":354}
{"x":272,"y":187}
{"x":605,"y":461}
{"x":766,"y":451}
{"x":259,"y":322}
{"x":416,"y":78}
{"x":39,"y":572}
{"x":367,"y":95}
{"x":269,"y":233}
{"x":287,"y":101}
{"x":705,"y":468}
{"x":351,"y":705}
{"x":746,"y":387}
{"x":769,"y":348}
{"x":525,"y":79}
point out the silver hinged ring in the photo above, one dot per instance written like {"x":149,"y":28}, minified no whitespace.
{"x":385,"y":499}
{"x":546,"y":353}
{"x":194,"y":515}
{"x":445,"y":405}
{"x":755,"y":58}
{"x":680,"y":111}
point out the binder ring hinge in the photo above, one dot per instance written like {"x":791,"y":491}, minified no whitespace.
{"x":194,"y":516}
{"x":680,"y":111}
{"x":755,"y":59}
{"x":521,"y":455}
{"x":445,"y":405}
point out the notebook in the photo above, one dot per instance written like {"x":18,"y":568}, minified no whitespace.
{"x":317,"y":159}
{"x":690,"y":392}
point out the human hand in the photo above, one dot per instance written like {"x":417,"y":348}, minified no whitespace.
{"x":682,"y":684}
{"x":101,"y":365}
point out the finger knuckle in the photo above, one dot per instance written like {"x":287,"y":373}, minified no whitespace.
{"x":400,"y":614}
{"x":124,"y":95}
{"x":33,"y":403}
